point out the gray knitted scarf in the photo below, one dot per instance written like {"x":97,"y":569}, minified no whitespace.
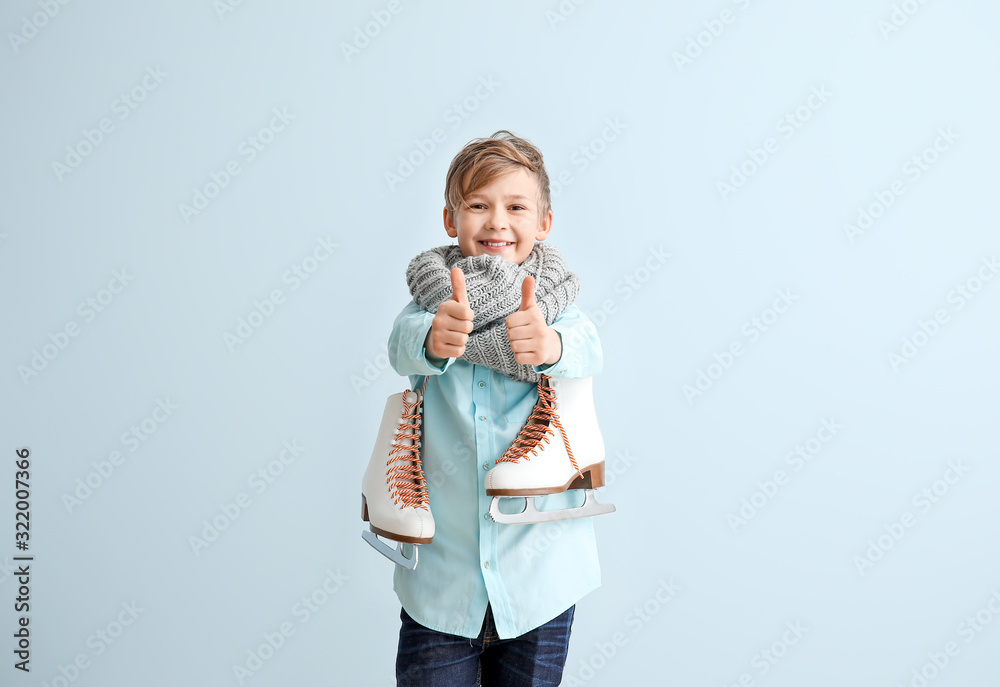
{"x":494,"y":288}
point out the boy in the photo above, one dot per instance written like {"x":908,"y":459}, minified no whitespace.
{"x":488,"y":316}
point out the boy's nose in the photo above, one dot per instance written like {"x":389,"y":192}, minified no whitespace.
{"x":498,"y":220}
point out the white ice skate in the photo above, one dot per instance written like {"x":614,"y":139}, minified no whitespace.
{"x":394,"y":491}
{"x":573,"y":459}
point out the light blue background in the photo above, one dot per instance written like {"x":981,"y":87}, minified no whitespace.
{"x":561,"y":72}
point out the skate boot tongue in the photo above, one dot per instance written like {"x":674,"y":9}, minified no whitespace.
{"x":407,"y":483}
{"x":538,"y":428}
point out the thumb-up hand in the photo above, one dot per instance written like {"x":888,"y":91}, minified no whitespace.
{"x":528,"y":294}
{"x":533,"y":342}
{"x":458,"y":292}
{"x":452,"y":324}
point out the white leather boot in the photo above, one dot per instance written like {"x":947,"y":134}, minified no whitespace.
{"x":393,"y":490}
{"x":559,"y":447}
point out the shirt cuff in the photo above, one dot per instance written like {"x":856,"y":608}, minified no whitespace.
{"x":437,"y":363}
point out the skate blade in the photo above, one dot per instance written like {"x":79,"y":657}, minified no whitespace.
{"x":531,"y":515}
{"x":393,"y":554}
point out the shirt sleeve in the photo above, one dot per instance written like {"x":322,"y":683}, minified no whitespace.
{"x":407,"y":354}
{"x":582,"y":355}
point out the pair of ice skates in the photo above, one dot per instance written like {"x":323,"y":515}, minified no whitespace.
{"x":541,"y":460}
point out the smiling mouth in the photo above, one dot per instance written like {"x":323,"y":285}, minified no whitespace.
{"x":497,"y":244}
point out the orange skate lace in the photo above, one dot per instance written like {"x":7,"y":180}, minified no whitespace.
{"x":406,"y":478}
{"x":532,"y":435}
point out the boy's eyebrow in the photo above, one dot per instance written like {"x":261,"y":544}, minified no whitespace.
{"x":514,"y":196}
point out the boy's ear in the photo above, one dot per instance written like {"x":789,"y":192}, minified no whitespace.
{"x":449,"y":223}
{"x":544,"y":227}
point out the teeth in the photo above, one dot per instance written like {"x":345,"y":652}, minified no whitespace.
{"x":497,"y":244}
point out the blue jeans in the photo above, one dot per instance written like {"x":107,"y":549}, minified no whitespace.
{"x":427,"y":658}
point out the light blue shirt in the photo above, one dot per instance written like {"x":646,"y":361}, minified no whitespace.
{"x":529,"y":574}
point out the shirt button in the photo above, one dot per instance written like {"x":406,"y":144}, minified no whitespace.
{"x":482,"y":417}
{"x":486,"y":466}
{"x":486,"y":516}
{"x":486,"y":564}
{"x":482,"y":384}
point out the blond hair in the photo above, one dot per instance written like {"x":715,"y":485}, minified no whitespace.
{"x":485,"y":159}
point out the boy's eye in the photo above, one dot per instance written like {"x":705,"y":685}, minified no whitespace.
{"x":477,"y":205}
{"x":517,"y":207}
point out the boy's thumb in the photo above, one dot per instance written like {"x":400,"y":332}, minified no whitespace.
{"x":528,"y":293}
{"x":458,"y":285}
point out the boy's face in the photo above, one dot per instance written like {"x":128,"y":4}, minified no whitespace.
{"x":502,"y":218}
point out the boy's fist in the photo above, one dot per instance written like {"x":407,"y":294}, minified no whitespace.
{"x":533,"y":342}
{"x":452,"y":324}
